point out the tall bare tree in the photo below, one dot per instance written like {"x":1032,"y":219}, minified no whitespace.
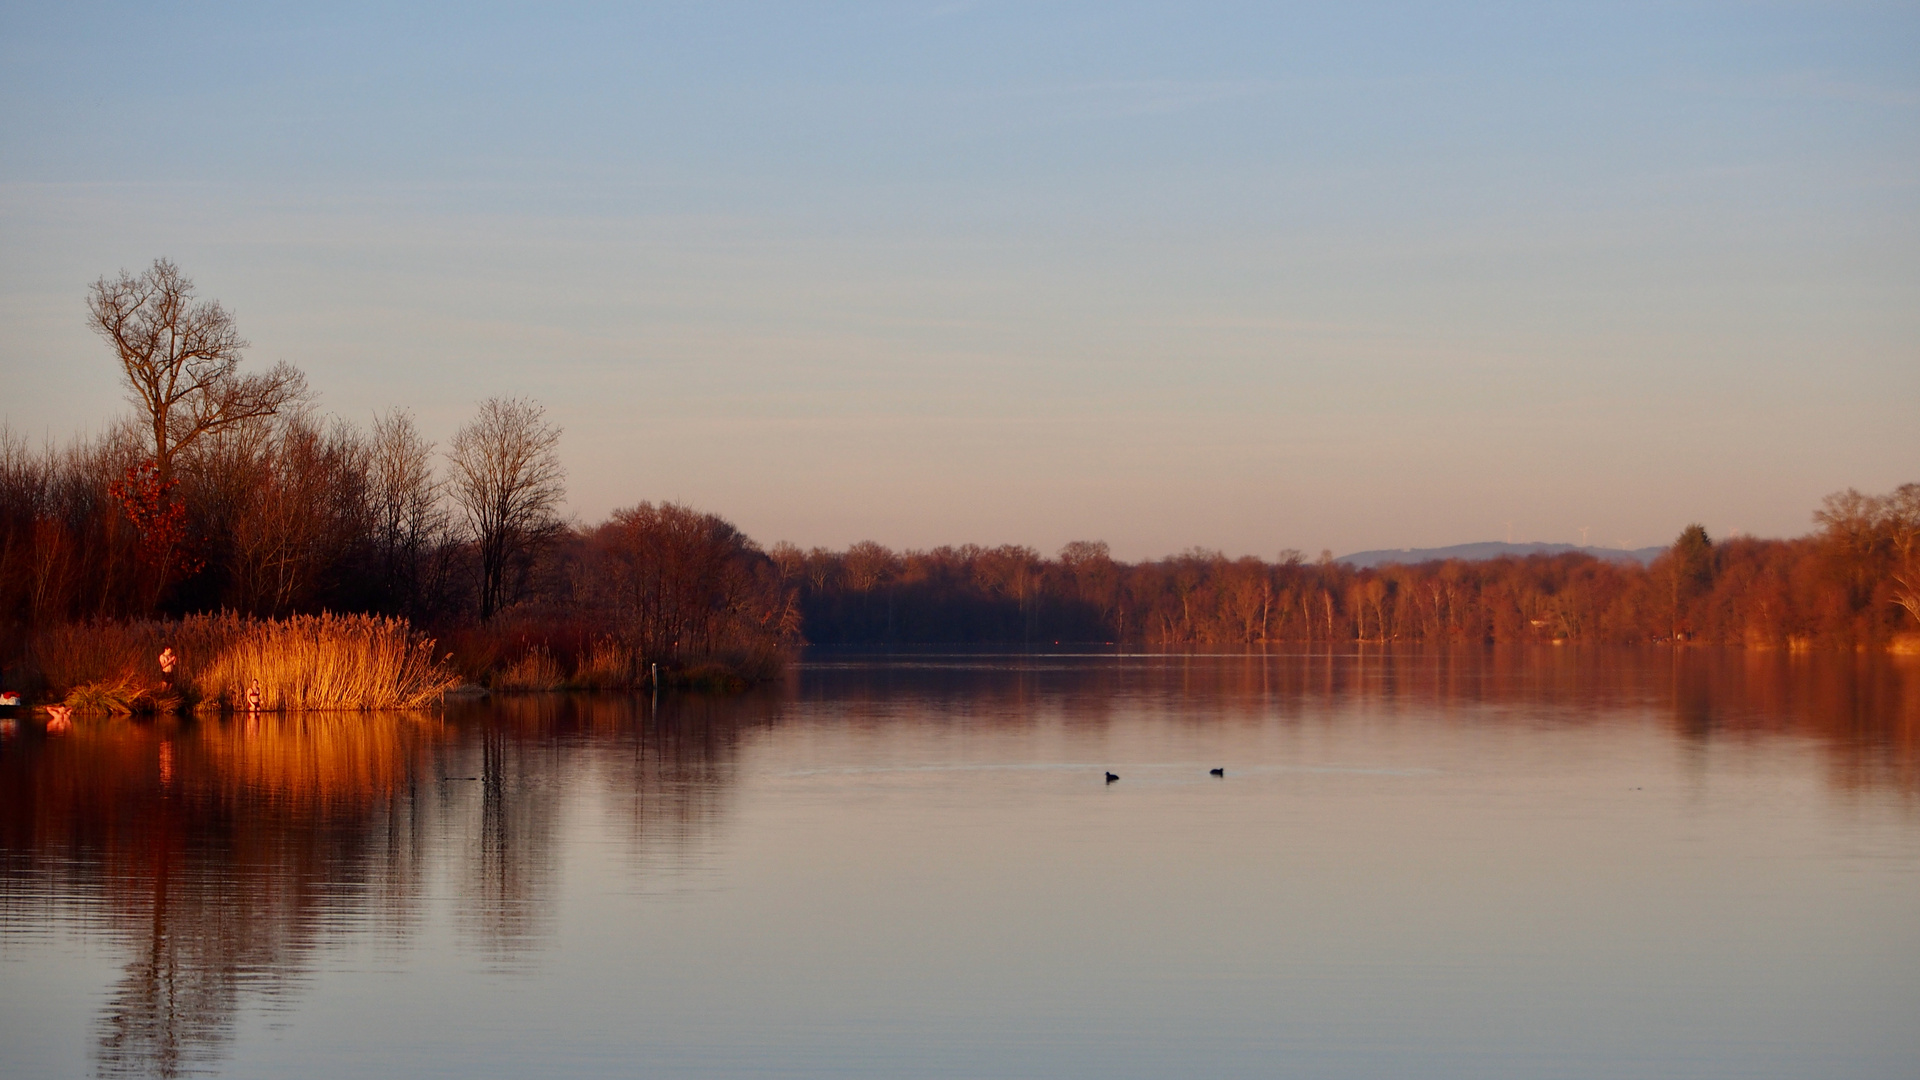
{"x":507,"y":478}
{"x":304,"y":507}
{"x":181,"y":359}
{"x":408,"y":522}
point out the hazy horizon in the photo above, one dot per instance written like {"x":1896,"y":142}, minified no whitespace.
{"x":1223,"y":276}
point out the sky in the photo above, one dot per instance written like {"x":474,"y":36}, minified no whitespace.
{"x":1240,"y":276}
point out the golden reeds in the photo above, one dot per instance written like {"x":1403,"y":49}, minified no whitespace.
{"x":611,"y":665}
{"x":120,"y":697}
{"x":327,"y":662}
{"x":305,"y":662}
{"x":536,"y":670}
{"x":312,"y":766}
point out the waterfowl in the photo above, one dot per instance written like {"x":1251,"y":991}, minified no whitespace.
{"x":1111,"y":777}
{"x":1216,"y":772}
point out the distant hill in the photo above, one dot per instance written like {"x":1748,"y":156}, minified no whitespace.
{"x":1493,"y":549}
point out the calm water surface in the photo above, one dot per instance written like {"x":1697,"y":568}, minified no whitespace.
{"x":1481,"y":864}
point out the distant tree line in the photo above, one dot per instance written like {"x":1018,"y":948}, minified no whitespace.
{"x":228,"y":491}
{"x":1855,"y":582}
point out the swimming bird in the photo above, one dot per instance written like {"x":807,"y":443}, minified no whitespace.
{"x":1111,"y":777}
{"x":1216,"y":772}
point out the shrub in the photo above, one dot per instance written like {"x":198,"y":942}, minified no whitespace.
{"x":122,"y":697}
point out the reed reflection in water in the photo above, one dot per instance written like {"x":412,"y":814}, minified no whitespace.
{"x":906,"y":865}
{"x":220,"y":856}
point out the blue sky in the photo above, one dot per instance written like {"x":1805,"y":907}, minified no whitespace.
{"x":1242,"y":276}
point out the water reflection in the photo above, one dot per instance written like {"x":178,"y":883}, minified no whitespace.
{"x":221,"y":858}
{"x":213,"y":854}
{"x":1863,"y":711}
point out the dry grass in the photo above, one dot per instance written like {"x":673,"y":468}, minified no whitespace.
{"x":306,"y":662}
{"x":124,"y":696}
{"x":542,"y":649}
{"x":609,"y":666}
{"x":74,"y":655}
{"x":354,"y":662}
{"x":535,"y":670}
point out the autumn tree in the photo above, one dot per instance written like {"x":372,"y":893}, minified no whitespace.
{"x":1872,"y":538}
{"x":1900,"y":514}
{"x":507,"y":479}
{"x":180,"y":358}
{"x":1689,"y":574}
{"x":160,"y":522}
{"x":868,"y":565}
{"x":677,"y":583}
{"x":1012,"y":571}
{"x":1096,"y":579}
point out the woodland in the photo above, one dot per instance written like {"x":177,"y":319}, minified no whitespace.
{"x":225,"y":492}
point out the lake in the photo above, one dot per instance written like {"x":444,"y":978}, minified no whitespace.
{"x":1477,"y":863}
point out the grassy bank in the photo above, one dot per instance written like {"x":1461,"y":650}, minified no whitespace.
{"x":545,"y":651}
{"x":307,"y":662}
{"x":609,"y":665}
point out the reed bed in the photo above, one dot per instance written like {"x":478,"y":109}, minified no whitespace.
{"x":124,"y":696}
{"x":535,"y":670}
{"x":536,"y":649}
{"x":610,"y":665}
{"x":327,"y":662}
{"x":308,"y":662}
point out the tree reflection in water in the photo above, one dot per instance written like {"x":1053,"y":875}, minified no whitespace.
{"x":1862,"y":711}
{"x":222,"y":855}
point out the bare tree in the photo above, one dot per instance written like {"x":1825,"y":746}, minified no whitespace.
{"x":1901,"y":512}
{"x":304,"y":505}
{"x":408,"y":521}
{"x":181,"y":359}
{"x":869,"y":565}
{"x":1875,"y":535}
{"x":681,"y":583}
{"x":507,"y":478}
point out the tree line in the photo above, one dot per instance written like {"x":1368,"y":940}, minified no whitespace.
{"x":291,"y":514}
{"x":1853,"y":582}
{"x":228,"y":490}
